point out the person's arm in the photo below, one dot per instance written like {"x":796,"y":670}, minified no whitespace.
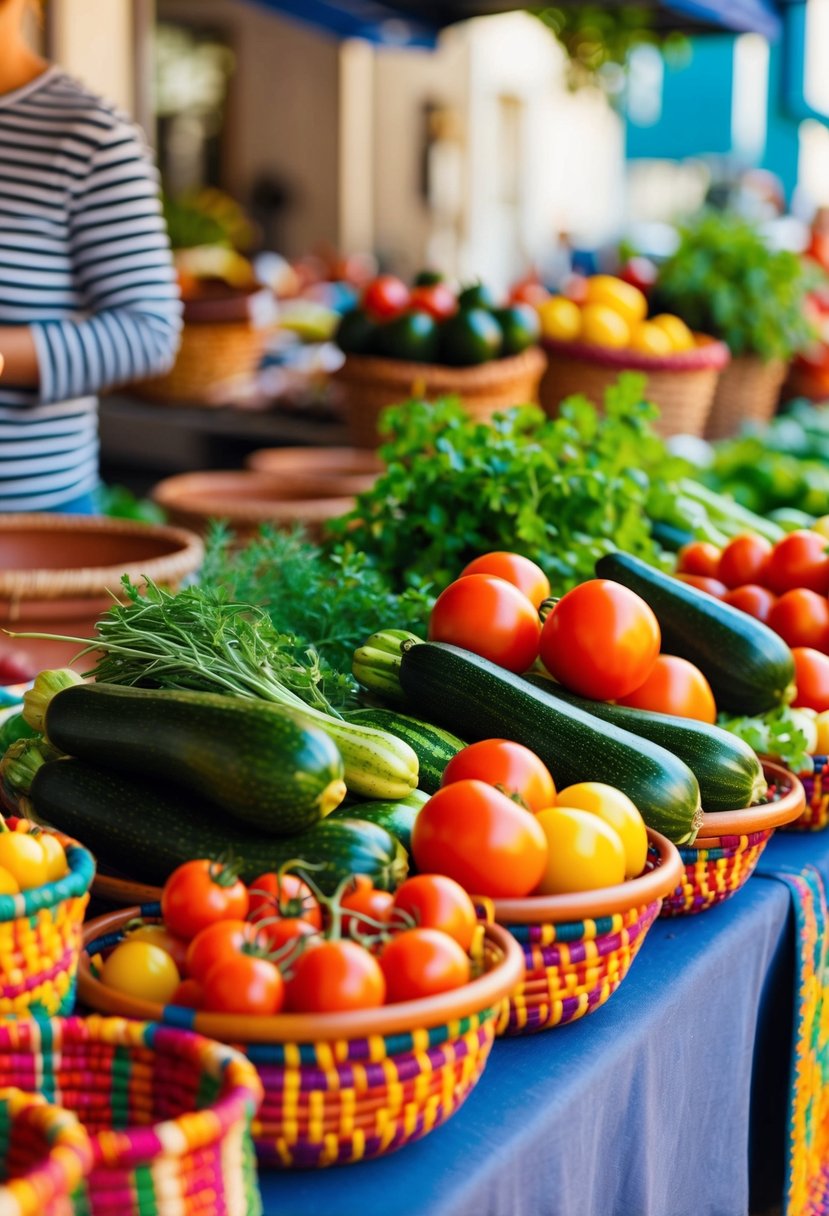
{"x":122,"y":265}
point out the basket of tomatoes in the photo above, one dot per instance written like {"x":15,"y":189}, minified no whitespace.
{"x":429,"y":341}
{"x":603,"y":329}
{"x":46,"y":1153}
{"x":368,"y":1015}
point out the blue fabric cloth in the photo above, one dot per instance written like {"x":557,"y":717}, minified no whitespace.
{"x":84,"y":504}
{"x":641,"y":1109}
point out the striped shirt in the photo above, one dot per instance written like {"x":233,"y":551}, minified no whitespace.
{"x":85,"y":262}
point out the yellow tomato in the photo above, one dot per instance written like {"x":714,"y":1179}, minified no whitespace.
{"x":625,"y":299}
{"x":8,"y":883}
{"x":55,"y":856}
{"x":142,"y":970}
{"x":678,"y":332}
{"x":24,"y":859}
{"x":602,"y":326}
{"x":821,"y":525}
{"x":650,"y":339}
{"x":822,"y":724}
{"x":616,"y":810}
{"x":583,"y":853}
{"x":560,"y":319}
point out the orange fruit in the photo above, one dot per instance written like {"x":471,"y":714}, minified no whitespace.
{"x":625,"y":299}
{"x":560,"y":319}
{"x":677,"y":331}
{"x":650,"y":339}
{"x":603,"y":326}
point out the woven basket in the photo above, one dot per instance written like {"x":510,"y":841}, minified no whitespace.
{"x":44,"y":1155}
{"x":748,"y":391}
{"x":368,"y":384}
{"x":346,"y":1087}
{"x":728,"y":846}
{"x":578,"y":948}
{"x":815,"y":816}
{"x":681,"y":385}
{"x":40,"y":938}
{"x":168,"y":1112}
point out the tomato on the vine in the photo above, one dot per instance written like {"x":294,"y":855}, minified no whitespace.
{"x":422,"y":962}
{"x":386,"y":297}
{"x":243,"y":984}
{"x":743,"y":560}
{"x":799,"y":560}
{"x":515,"y":569}
{"x":699,"y":557}
{"x":509,"y":766}
{"x":801,"y":617}
{"x":677,"y":687}
{"x":364,"y":900}
{"x":756,"y":601}
{"x":283,"y":895}
{"x":200,"y":892}
{"x":490,"y":617}
{"x":811,"y":675}
{"x":601,"y":640}
{"x":335,"y":976}
{"x":435,"y":901}
{"x":218,"y":941}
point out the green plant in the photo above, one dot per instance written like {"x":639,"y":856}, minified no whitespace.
{"x":725,"y":280}
{"x":598,"y":40}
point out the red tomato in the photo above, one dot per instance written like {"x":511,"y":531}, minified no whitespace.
{"x":365,"y":901}
{"x":435,"y":901}
{"x":640,"y":272}
{"x":811,"y":675}
{"x":743,"y":560}
{"x":286,"y":895}
{"x":16,"y":667}
{"x":437,"y":299}
{"x":675,"y":686}
{"x":515,"y":569}
{"x":490,"y":617}
{"x":217,"y":941}
{"x":199,"y":893}
{"x":482,"y":839}
{"x":244,"y":984}
{"x":529,"y":293}
{"x":756,"y":601}
{"x":510,"y":766}
{"x":189,"y":994}
{"x":575,"y":288}
{"x":601,"y":640}
{"x":799,"y":560}
{"x":386,"y":297}
{"x":699,"y":557}
{"x":336,"y":976}
{"x":422,"y":962}
{"x":711,"y":586}
{"x":287,"y":929}
{"x":801,"y":617}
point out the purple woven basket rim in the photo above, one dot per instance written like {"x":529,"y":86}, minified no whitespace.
{"x":710,"y":355}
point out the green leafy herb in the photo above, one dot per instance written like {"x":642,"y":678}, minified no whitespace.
{"x":782,"y":734}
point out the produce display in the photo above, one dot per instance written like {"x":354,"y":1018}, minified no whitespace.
{"x":606,"y":311}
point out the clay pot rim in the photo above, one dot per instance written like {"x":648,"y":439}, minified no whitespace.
{"x":199,"y":495}
{"x":322,"y":462}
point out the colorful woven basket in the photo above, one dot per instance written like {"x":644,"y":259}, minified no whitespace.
{"x":40,"y":938}
{"x":167,"y":1111}
{"x":579,"y":948}
{"x":44,"y":1155}
{"x":748,"y":391}
{"x":729,"y":844}
{"x":815,"y":816}
{"x":346,"y":1087}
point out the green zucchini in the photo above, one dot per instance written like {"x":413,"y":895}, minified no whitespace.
{"x":261,"y":763}
{"x":145,"y":831}
{"x":468,"y":693}
{"x":729,"y":774}
{"x":396,"y":817}
{"x":376,"y":664}
{"x":434,"y":747}
{"x":750,"y":669}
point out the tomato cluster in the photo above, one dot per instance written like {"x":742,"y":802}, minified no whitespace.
{"x":281,"y":946}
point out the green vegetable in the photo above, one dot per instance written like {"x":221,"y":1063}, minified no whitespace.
{"x":750,"y":669}
{"x":15,"y":727}
{"x":782,"y":734}
{"x":413,"y":336}
{"x":465,"y":692}
{"x":520,"y":327}
{"x":145,"y":832}
{"x":434,"y":747}
{"x":471,"y":336}
{"x":356,"y":333}
{"x":377,"y":664}
{"x":396,"y":817}
{"x":477,"y":295}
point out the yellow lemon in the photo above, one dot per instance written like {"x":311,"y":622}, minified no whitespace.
{"x":560,"y":319}
{"x":678,"y":332}
{"x":616,"y":810}
{"x":601,"y":326}
{"x":625,"y":299}
{"x":583,"y":852}
{"x":649,"y":339}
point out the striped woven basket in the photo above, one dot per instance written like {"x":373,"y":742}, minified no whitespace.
{"x":167,"y":1111}
{"x":729,"y":843}
{"x":351,"y":1086}
{"x":815,"y":815}
{"x":40,"y":938}
{"x":44,"y":1155}
{"x":578,"y":948}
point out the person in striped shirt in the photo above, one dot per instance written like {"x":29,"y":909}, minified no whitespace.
{"x":88,"y":293}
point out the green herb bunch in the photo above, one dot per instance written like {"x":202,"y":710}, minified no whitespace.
{"x":723,"y":279}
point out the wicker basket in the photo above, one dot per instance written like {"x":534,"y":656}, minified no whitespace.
{"x":579,"y":948}
{"x":815,"y":816}
{"x":368,"y":384}
{"x":168,"y":1112}
{"x":681,"y":385}
{"x":346,"y":1087}
{"x":44,"y":1155}
{"x":728,"y":846}
{"x":748,"y":391}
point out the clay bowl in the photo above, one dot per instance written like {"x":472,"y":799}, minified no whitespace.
{"x":246,"y":500}
{"x":58,"y":574}
{"x":349,"y":469}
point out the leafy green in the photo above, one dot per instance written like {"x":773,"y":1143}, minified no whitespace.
{"x":780,"y":734}
{"x":560,"y":491}
{"x":120,"y":503}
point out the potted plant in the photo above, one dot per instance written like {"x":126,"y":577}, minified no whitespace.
{"x":725,"y":279}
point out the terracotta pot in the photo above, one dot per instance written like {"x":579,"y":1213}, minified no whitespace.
{"x":354,"y":468}
{"x":246,"y":500}
{"x":58,"y":574}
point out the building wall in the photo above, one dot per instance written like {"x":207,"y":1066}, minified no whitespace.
{"x":93,"y":39}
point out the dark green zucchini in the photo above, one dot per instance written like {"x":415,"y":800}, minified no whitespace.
{"x":750,"y":669}
{"x":145,"y":831}
{"x":468,"y":693}
{"x":729,"y":774}
{"x":433,"y":747}
{"x":263,"y":764}
{"x":396,"y":817}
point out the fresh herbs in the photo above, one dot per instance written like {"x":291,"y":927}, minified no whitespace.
{"x":783,"y":734}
